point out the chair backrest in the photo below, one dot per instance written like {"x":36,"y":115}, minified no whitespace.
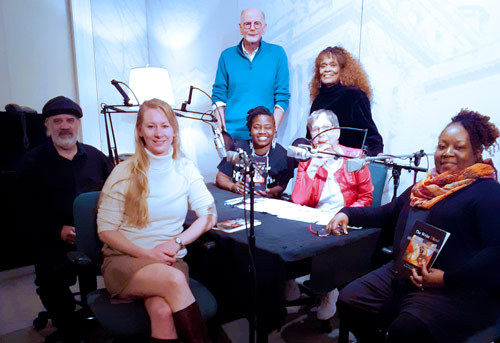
{"x":378,"y":174}
{"x":87,"y":240}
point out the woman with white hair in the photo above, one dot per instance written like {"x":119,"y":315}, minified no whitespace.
{"x":326,"y":184}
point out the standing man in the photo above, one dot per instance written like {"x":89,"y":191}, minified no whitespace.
{"x":50,"y":177}
{"x":250,"y":74}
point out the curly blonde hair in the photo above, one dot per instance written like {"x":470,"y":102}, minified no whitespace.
{"x":351,"y":72}
{"x":136,"y":206}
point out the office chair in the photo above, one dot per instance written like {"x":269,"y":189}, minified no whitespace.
{"x":126,"y":321}
{"x":378,"y":175}
{"x":42,"y":319}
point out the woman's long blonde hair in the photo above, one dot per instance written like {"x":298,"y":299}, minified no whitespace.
{"x":136,"y":206}
{"x":351,"y":72}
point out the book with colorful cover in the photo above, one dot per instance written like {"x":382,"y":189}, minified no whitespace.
{"x":233,"y":225}
{"x":425,"y":242}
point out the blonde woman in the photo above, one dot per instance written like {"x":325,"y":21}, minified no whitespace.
{"x":141,"y":212}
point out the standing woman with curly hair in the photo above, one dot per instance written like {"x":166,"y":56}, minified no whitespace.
{"x":341,"y":85}
{"x":140,"y":219}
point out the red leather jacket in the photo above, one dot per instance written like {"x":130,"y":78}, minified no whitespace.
{"x":356,"y":187}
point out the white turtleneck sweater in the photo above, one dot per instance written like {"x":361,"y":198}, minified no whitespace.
{"x":173,"y":186}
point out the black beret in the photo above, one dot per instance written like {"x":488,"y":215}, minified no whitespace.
{"x":61,"y":105}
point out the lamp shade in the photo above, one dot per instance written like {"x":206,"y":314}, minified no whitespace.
{"x":149,"y":82}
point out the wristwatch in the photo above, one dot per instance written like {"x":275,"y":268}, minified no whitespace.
{"x":178,"y":240}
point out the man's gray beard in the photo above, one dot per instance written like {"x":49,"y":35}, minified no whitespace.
{"x":65,"y":143}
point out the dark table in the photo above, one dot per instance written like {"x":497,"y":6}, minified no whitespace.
{"x":285,"y":249}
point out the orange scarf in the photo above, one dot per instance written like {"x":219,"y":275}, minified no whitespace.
{"x":435,"y":187}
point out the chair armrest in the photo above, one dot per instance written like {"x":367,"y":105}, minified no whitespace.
{"x":86,"y":276}
{"x":78,"y":258}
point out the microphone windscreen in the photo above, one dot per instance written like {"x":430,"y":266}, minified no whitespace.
{"x":222,"y":152}
{"x":355,"y":164}
{"x":236,"y":157}
{"x":219,"y":144}
{"x":231,"y":156}
{"x":297,"y":153}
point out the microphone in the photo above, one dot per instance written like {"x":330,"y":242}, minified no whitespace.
{"x":185,"y":103}
{"x":418,"y":156}
{"x":355,"y":164}
{"x":219,"y":142}
{"x":301,"y":153}
{"x":238,"y":156}
{"x":126,"y":99}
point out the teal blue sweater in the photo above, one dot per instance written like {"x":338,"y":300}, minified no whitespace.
{"x":243,"y":85}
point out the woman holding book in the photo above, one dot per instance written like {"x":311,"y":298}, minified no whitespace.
{"x":140,"y":219}
{"x":275,"y":169}
{"x":452,"y":299}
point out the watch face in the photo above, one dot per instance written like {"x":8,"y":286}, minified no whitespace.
{"x":178,"y":240}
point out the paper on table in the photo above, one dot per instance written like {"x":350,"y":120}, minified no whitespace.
{"x":288,"y":210}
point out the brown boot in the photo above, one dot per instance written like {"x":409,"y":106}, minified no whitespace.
{"x":190,"y":325}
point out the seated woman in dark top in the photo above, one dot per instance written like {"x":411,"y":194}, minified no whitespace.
{"x":341,"y":85}
{"x":458,"y":295}
{"x":276,"y":168}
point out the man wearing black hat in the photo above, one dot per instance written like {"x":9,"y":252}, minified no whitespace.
{"x":50,"y":177}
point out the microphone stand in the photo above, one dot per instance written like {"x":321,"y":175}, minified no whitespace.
{"x":334,"y":154}
{"x":107,"y":110}
{"x":396,"y":172}
{"x":251,"y":245}
{"x":202,"y":118}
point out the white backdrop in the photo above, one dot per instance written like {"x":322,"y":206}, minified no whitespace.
{"x":425,"y":59}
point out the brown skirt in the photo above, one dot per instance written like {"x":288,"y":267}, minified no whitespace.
{"x":117,"y":270}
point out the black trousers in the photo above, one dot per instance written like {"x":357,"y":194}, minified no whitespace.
{"x":54,"y":276}
{"x":380,"y":302}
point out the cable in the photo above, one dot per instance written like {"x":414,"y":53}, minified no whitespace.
{"x":212,"y":100}
{"x":123,"y":83}
{"x":360,"y":29}
{"x":213,"y":103}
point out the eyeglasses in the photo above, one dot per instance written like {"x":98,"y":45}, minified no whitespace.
{"x":256,"y":24}
{"x":320,"y":233}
